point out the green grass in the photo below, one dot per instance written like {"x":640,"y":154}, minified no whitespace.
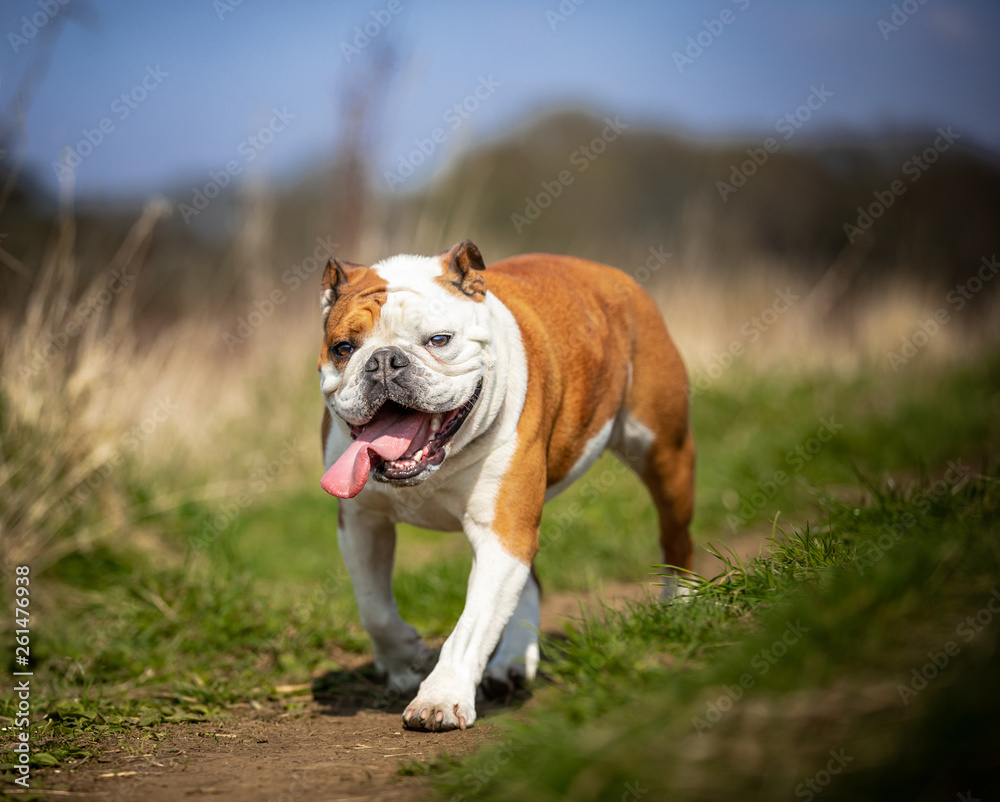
{"x":130,"y":637}
{"x":755,"y":427}
{"x":744,"y":690}
{"x":749,"y":431}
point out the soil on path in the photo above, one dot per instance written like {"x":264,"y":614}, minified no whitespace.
{"x":347,"y":746}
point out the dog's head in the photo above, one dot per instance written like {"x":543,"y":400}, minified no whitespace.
{"x":404,"y":358}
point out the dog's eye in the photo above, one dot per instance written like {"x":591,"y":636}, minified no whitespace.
{"x":343,"y":350}
{"x":439,"y":340}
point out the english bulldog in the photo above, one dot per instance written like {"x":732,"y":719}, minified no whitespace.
{"x":461,"y":397}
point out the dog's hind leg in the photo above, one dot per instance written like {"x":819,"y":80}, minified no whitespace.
{"x":515,"y":660}
{"x":653,"y":437}
{"x":666,"y":467}
{"x":669,"y":475}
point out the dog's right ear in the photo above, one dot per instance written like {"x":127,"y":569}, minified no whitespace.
{"x":336,"y":277}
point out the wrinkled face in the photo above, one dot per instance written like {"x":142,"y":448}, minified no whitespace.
{"x":405,"y":352}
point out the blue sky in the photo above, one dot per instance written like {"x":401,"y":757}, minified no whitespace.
{"x":222,"y":69}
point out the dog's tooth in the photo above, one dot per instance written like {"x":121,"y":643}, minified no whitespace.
{"x":436,"y":423}
{"x":418,"y":456}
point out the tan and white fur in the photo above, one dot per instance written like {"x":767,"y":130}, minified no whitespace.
{"x":561,"y":358}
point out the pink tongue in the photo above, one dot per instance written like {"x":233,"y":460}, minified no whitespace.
{"x":389,"y":435}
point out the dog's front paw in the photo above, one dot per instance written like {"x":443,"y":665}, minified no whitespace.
{"x":438,"y":716}
{"x":443,"y":703}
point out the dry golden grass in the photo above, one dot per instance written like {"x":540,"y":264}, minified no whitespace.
{"x":63,"y":368}
{"x":188,"y":418}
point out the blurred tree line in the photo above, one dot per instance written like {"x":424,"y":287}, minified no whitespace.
{"x":563,"y":184}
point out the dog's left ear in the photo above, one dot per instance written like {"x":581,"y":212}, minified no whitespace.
{"x":463,"y":266}
{"x":336,"y":277}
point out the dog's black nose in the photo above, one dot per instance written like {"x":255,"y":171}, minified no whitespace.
{"x":387,"y":362}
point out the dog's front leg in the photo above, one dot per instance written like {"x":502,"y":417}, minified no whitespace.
{"x":368,"y":545}
{"x":447,"y":698}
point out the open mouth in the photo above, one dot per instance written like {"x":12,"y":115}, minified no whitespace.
{"x":396,"y":445}
{"x":427,"y":447}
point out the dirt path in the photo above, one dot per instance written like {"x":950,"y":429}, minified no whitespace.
{"x":347,"y":746}
{"x":312,"y":754}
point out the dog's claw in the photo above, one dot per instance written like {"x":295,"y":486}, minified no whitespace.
{"x":438,"y":718}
